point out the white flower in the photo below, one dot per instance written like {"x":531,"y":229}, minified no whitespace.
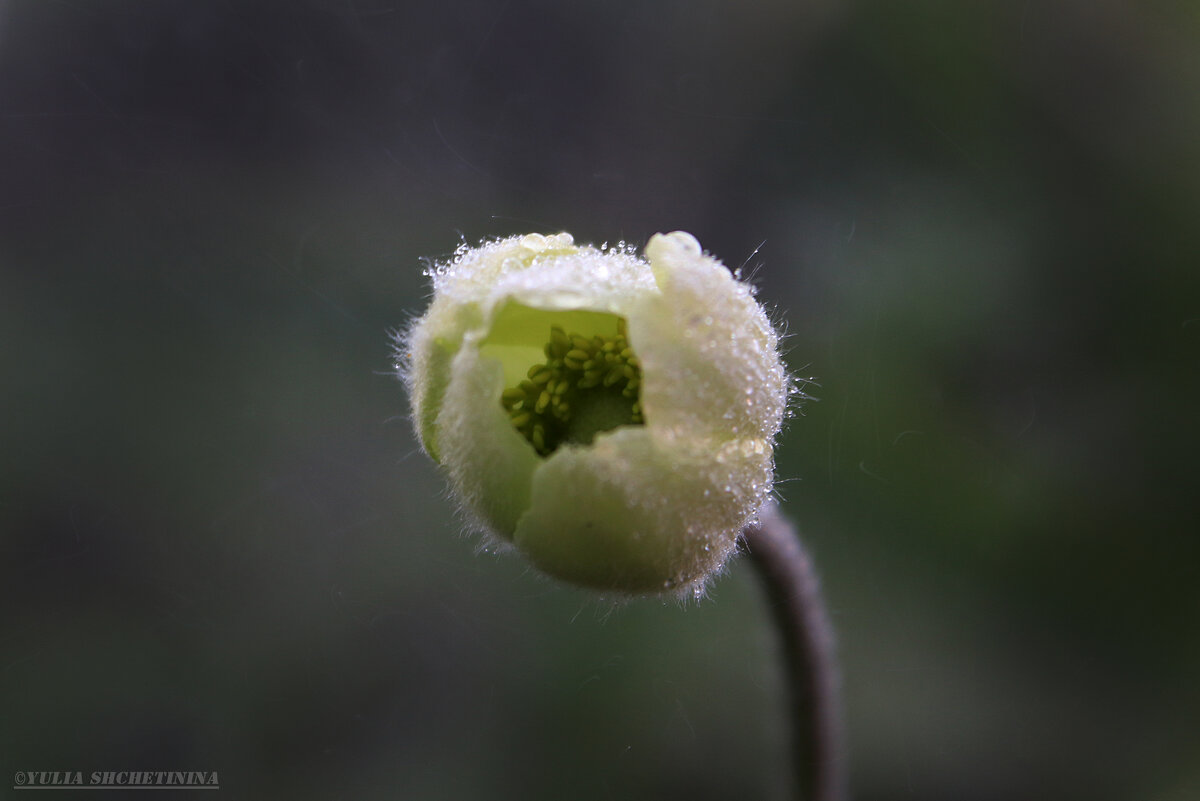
{"x":610,"y":416}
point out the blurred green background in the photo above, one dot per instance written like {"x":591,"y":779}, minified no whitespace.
{"x":222,"y":550}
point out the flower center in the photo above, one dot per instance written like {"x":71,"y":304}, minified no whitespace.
{"x":586,"y":386}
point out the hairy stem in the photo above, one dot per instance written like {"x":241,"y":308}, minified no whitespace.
{"x":807,"y":638}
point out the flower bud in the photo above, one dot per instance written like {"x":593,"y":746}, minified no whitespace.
{"x":609,"y":415}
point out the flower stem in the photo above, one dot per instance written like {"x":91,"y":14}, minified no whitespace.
{"x":807,"y":637}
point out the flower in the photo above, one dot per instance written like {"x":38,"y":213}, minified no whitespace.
{"x":611,"y":416}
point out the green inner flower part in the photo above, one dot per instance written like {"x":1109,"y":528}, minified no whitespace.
{"x":586,"y":386}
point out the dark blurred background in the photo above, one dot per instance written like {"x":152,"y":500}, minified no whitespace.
{"x":222,"y":550}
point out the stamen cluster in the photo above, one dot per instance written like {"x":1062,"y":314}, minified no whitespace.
{"x":576,"y":369}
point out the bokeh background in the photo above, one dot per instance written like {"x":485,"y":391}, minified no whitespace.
{"x":222,"y":550}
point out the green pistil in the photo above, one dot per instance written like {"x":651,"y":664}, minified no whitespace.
{"x":586,"y":386}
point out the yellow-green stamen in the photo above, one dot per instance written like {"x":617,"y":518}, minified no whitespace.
{"x":586,"y":386}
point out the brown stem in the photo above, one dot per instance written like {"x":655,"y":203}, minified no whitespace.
{"x":807,"y":637}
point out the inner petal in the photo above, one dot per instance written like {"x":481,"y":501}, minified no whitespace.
{"x":569,"y":375}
